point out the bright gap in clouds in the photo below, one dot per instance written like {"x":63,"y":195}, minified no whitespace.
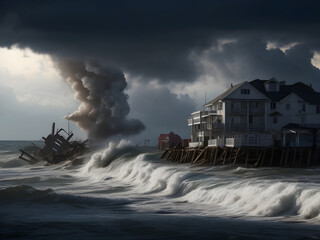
{"x":33,"y":78}
{"x":316,"y":60}
{"x":283,"y":48}
{"x":32,"y":96}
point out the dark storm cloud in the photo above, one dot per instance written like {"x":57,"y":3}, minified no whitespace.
{"x":160,"y":110}
{"x":163,"y":108}
{"x":248,"y":58}
{"x":159,"y":40}
{"x":151,"y":38}
{"x":104,"y":106}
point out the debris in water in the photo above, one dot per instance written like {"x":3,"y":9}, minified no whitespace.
{"x":57,"y":148}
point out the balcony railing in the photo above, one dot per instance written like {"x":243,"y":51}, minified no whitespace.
{"x":243,"y":126}
{"x":256,"y":111}
{"x":215,"y":126}
{"x":217,"y":142}
{"x":193,"y":121}
{"x":195,"y":144}
{"x":250,"y":140}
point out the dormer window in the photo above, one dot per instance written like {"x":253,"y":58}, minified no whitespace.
{"x":273,"y":85}
{"x":245,"y":91}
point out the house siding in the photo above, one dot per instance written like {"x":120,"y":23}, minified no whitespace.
{"x":247,"y":110}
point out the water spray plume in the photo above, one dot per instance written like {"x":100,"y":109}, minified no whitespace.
{"x":104,"y":107}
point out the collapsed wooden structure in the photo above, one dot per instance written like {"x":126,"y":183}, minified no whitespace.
{"x":57,"y":148}
{"x":246,"y":156}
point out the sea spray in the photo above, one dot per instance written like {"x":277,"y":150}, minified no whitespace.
{"x":113,"y":151}
{"x":230,"y":192}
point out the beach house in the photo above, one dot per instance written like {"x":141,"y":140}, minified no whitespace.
{"x":259,"y":113}
{"x":168,"y":140}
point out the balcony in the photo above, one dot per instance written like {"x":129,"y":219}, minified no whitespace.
{"x":250,"y":140}
{"x":256,"y":111}
{"x":211,"y":126}
{"x":193,"y":121}
{"x":217,"y":142}
{"x":243,"y":126}
{"x":195,"y":144}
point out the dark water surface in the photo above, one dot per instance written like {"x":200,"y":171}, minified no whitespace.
{"x":119,"y":193}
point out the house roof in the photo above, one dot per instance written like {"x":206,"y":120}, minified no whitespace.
{"x":302,"y":90}
{"x":163,"y":136}
{"x":226,"y":93}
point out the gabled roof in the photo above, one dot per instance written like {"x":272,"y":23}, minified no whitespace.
{"x":163,"y":136}
{"x":226,"y":93}
{"x":305,"y":92}
{"x":302,"y":90}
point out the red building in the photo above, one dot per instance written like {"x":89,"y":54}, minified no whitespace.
{"x":168,"y":140}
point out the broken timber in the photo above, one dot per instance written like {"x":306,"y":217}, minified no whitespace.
{"x":57,"y":148}
{"x":247,"y":156}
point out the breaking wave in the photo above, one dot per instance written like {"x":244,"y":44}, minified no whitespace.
{"x":219,"y":190}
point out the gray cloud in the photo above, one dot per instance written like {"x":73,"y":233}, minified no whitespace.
{"x":248,"y":56}
{"x":161,"y":110}
{"x":152,"y":39}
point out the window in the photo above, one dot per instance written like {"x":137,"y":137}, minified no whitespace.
{"x":235,"y":106}
{"x":220,"y":106}
{"x":272,"y":87}
{"x":273,"y":105}
{"x":235,"y":120}
{"x":245,"y":91}
{"x":303,"y":107}
{"x":288,"y":106}
{"x":275,"y":120}
{"x":250,"y":119}
{"x":318,"y":109}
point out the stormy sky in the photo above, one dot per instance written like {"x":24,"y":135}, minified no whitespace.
{"x":167,"y":55}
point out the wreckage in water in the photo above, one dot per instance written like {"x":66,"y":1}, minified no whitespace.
{"x":57,"y":148}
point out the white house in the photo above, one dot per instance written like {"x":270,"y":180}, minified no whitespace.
{"x":259,"y":113}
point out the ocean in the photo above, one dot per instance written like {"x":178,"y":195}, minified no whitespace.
{"x":123,"y":192}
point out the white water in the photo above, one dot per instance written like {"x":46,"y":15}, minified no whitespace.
{"x":119,"y":193}
{"x":279,"y":194}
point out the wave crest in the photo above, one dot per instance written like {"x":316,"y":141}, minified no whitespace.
{"x":112,"y":152}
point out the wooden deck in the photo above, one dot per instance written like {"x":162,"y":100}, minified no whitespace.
{"x":246,"y":156}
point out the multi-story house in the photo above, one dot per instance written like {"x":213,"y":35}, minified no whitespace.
{"x":259,"y":113}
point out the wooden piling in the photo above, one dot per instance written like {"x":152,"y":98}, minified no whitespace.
{"x":215,"y":156}
{"x":282,"y":157}
{"x":309,"y":157}
{"x":225,"y":156}
{"x":249,"y":156}
{"x":235,"y":158}
{"x":272,"y":156}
